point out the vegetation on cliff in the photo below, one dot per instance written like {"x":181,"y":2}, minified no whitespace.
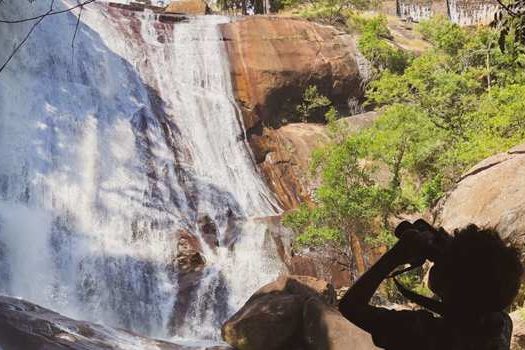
{"x":441,"y":112}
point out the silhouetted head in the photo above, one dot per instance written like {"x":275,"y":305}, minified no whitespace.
{"x":479,"y":273}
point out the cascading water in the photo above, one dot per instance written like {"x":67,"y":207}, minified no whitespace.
{"x":471,"y":12}
{"x":106,"y":153}
{"x":414,"y":10}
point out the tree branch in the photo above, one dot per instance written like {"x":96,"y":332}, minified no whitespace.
{"x":75,"y":33}
{"x":52,"y":13}
{"x":21,"y":43}
{"x":506,"y":8}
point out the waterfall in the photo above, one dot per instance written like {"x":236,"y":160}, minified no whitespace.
{"x":471,"y":12}
{"x":107,"y":151}
{"x":414,"y":10}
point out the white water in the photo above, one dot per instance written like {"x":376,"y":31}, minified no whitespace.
{"x":467,"y":13}
{"x":414,"y":10}
{"x":105,"y":155}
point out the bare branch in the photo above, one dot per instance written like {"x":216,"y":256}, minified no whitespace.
{"x":52,"y":13}
{"x":21,"y":43}
{"x":506,"y":8}
{"x":75,"y":33}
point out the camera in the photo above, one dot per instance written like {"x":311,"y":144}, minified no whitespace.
{"x":434,"y":242}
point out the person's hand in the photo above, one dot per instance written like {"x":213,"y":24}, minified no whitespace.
{"x":415,"y":242}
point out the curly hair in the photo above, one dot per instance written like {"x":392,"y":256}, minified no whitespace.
{"x":485,"y":273}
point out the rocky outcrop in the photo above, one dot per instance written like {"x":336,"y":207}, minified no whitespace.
{"x":274,"y":59}
{"x":209,"y":231}
{"x":26,"y":326}
{"x":189,"y":253}
{"x":283,"y":155}
{"x":491,"y":194}
{"x":293,"y":312}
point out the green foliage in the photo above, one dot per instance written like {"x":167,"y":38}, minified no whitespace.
{"x":510,"y":21}
{"x":347,"y":201}
{"x":441,"y":112}
{"x":444,"y":34}
{"x":383,"y":238}
{"x":313,"y":104}
{"x":453,"y":106}
{"x":334,"y":12}
{"x":374,"y":45}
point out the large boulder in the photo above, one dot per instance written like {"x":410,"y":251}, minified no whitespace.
{"x":491,"y":194}
{"x":293,"y":312}
{"x":269,"y":322}
{"x":325,"y":328}
{"x":303,"y":286}
{"x":274,"y":59}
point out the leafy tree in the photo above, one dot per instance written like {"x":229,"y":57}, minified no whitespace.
{"x":510,"y":21}
{"x":313,"y":104}
{"x":346,"y":205}
{"x":376,"y":46}
{"x":334,"y":12}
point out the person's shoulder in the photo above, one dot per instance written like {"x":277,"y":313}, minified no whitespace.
{"x":490,"y":331}
{"x":495,"y":322}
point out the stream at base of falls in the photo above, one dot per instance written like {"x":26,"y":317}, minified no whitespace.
{"x":107,"y":153}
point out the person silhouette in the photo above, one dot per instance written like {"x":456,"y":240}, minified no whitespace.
{"x":475,"y":276}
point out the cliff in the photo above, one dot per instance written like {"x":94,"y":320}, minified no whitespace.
{"x":273,"y":60}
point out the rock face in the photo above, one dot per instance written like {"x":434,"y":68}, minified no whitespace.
{"x":26,"y":326}
{"x":189,"y":253}
{"x":189,"y":7}
{"x":283,"y":155}
{"x":294,"y":312}
{"x":490,"y":195}
{"x":274,"y":59}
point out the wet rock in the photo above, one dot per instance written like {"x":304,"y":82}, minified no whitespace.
{"x":188,"y":285}
{"x":209,"y":231}
{"x":325,"y":328}
{"x":26,"y":326}
{"x":489,"y":195}
{"x":189,"y":253}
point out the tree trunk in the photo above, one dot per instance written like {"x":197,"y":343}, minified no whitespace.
{"x":357,"y":252}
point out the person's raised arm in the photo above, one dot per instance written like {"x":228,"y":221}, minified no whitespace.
{"x":355,"y":302}
{"x":354,"y":305}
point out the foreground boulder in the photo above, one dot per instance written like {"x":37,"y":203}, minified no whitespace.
{"x":325,"y":328}
{"x":26,"y":326}
{"x":294,"y":312}
{"x":491,"y":194}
